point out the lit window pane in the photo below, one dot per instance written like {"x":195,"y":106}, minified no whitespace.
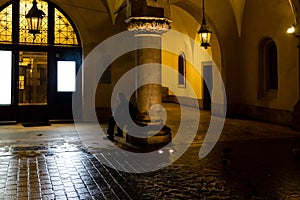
{"x":66,"y":75}
{"x":5,"y":78}
{"x":63,"y":31}
{"x":25,"y":36}
{"x":6,"y":24}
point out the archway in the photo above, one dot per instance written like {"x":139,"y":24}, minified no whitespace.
{"x":40,"y":70}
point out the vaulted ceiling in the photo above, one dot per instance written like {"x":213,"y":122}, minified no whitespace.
{"x":90,"y":12}
{"x":238,"y":7}
{"x":112,"y":6}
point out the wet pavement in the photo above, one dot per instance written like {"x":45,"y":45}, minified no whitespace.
{"x":252,"y":160}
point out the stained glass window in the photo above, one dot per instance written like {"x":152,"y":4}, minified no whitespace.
{"x":25,"y":36}
{"x":6,"y":24}
{"x":63,"y":31}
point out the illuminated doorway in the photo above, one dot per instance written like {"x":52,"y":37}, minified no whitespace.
{"x":32,"y":78}
{"x":31,"y":67}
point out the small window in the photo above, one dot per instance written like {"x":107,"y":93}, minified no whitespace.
{"x":66,"y":76}
{"x":268,"y":69}
{"x":181,"y":70}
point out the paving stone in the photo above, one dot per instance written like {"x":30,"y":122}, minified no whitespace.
{"x":57,"y":197}
{"x":60,"y":192}
{"x":86,"y":196}
{"x":72,"y":194}
{"x":57,"y":183}
{"x":48,"y":197}
{"x":82,"y":190}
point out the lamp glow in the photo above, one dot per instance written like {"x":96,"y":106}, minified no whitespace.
{"x":291,"y":29}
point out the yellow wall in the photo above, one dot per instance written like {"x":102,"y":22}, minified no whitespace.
{"x":273,"y":22}
{"x":171,"y":81}
{"x":186,"y":24}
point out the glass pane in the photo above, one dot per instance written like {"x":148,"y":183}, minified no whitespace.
{"x":63,"y":30}
{"x":33,"y":78}
{"x":5,"y":77}
{"x":6,"y":24}
{"x":181,"y":70}
{"x":66,"y":76}
{"x":25,"y":37}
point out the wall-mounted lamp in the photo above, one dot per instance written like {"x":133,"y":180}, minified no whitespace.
{"x":291,"y":29}
{"x":34,"y":19}
{"x":204,"y":31}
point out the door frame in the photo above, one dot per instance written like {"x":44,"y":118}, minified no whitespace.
{"x":13,"y":44}
{"x":60,"y":103}
{"x":30,"y":113}
{"x":207,"y":84}
{"x":53,"y":108}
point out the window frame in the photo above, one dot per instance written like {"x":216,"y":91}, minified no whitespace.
{"x":181,"y":70}
{"x":50,"y":29}
{"x":268,"y":69}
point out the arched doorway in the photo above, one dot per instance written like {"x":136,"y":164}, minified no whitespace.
{"x":39,"y":73}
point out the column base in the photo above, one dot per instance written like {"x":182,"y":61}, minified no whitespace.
{"x":296,"y":116}
{"x":162,"y":137}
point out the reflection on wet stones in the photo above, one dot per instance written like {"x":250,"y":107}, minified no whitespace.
{"x":176,"y":182}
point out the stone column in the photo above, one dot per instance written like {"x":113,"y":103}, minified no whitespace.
{"x":149,"y":94}
{"x":148,"y":31}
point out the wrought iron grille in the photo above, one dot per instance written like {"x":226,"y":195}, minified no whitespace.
{"x":6,"y":24}
{"x":63,"y":31}
{"x":24,"y":35}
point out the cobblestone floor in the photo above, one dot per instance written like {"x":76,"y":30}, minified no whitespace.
{"x":261,"y":173}
{"x":252,"y":160}
{"x":62,"y":176}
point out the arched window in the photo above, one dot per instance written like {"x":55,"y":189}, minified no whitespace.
{"x":181,"y":69}
{"x":6,"y":24}
{"x":56,"y":28}
{"x":38,"y":72}
{"x":268,"y":67}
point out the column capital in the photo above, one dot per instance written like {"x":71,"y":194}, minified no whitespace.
{"x":155,"y":25}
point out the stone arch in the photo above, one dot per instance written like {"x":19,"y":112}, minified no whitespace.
{"x":225,"y":33}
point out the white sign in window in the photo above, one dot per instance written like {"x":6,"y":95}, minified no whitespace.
{"x":66,"y":76}
{"x":5,"y":77}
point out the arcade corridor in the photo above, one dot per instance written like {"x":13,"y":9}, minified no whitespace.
{"x":187,"y":66}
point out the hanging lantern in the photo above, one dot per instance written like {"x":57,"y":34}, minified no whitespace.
{"x":204,"y":32}
{"x":34,"y":19}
